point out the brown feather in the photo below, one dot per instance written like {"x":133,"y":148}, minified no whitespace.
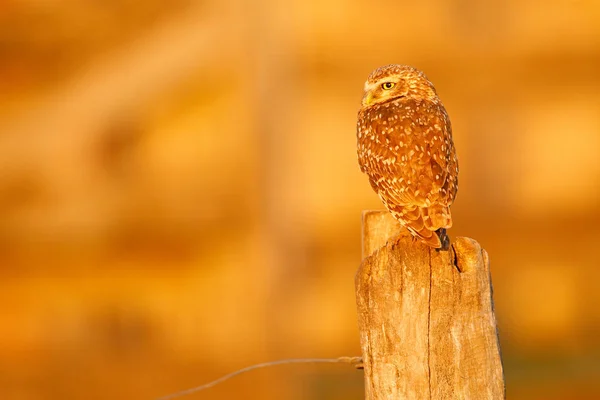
{"x":405,"y":147}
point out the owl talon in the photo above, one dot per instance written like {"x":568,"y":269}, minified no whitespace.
{"x":444,"y":239}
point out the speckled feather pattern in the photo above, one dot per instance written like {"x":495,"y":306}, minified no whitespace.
{"x":405,"y":147}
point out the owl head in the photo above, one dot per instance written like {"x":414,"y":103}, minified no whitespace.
{"x":395,"y":81}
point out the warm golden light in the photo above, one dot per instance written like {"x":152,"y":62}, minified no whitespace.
{"x":180,"y":195}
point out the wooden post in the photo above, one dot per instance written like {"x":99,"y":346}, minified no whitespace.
{"x":426,"y":318}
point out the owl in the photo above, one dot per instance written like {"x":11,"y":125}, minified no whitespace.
{"x":405,"y":147}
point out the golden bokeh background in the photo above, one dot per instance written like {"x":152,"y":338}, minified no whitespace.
{"x":180,"y":196}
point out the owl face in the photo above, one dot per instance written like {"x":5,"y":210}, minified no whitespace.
{"x":396,"y":81}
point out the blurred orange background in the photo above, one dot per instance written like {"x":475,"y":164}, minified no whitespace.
{"x":180,"y":196}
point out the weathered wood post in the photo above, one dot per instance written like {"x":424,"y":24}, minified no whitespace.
{"x":426,"y":318}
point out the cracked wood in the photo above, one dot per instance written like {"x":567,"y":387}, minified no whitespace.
{"x":426,"y":318}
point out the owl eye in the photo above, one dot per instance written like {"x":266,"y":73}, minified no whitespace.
{"x":387,"y":85}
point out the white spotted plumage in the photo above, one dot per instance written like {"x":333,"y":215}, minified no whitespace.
{"x":405,"y":147}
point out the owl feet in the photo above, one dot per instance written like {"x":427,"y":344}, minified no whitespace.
{"x":444,"y":238}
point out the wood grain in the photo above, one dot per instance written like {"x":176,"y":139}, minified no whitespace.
{"x":426,"y":318}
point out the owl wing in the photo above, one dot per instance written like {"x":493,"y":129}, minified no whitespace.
{"x":407,"y":152}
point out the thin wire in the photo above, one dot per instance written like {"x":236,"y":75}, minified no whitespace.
{"x":346,"y":360}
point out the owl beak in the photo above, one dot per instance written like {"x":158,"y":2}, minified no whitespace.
{"x":367,"y":99}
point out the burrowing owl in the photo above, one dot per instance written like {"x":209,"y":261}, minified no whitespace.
{"x":405,"y":147}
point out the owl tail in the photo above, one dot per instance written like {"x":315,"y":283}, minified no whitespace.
{"x":412,"y":219}
{"x":430,"y":238}
{"x":438,"y":218}
{"x":437,"y":239}
{"x":427,"y":223}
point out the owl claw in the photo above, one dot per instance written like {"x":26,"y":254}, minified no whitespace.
{"x":444,"y":239}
